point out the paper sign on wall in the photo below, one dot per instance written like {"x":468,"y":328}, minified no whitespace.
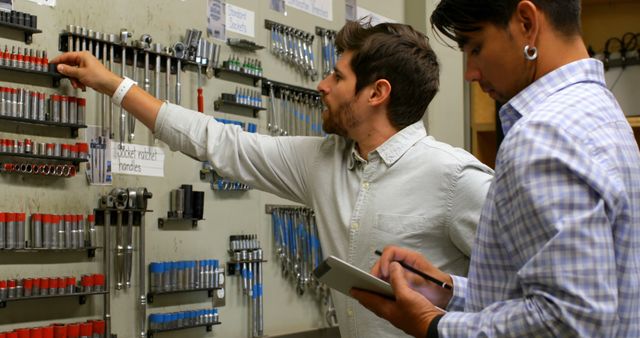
{"x":319,"y":8}
{"x":240,"y":20}
{"x":6,"y":5}
{"x":134,"y":159}
{"x":375,"y":17}
{"x":350,"y":10}
{"x":216,"y":20}
{"x":51,"y":3}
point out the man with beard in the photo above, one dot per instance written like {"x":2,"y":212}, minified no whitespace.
{"x":377,"y":180}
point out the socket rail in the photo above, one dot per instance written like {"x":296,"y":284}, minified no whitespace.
{"x":27,"y":30}
{"x":82,"y":297}
{"x":63,"y":46}
{"x":73,"y":128}
{"x":52,"y":74}
{"x":208,"y":326}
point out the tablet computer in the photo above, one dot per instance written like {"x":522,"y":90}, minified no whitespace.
{"x":342,"y":276}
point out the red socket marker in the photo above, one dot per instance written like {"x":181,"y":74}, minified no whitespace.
{"x":98,"y":327}
{"x":47,"y":332}
{"x":23,"y":333}
{"x":86,"y":330}
{"x":73,"y":330}
{"x":59,"y":331}
{"x":35,"y":332}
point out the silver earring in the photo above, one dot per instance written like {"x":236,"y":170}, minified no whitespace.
{"x":530,"y":53}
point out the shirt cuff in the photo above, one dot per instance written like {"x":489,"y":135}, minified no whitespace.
{"x":432,"y":330}
{"x":456,"y":303}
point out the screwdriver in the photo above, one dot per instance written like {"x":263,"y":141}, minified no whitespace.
{"x":200,"y":51}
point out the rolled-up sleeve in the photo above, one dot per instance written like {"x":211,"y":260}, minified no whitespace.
{"x":279,"y":165}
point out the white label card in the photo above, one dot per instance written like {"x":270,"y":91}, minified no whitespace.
{"x":51,"y":3}
{"x":319,"y":8}
{"x":134,"y":159}
{"x":240,"y":20}
{"x":375,"y":17}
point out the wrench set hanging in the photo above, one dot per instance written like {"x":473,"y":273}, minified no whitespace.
{"x":299,"y":251}
{"x":329,"y":52}
{"x":246,"y":259}
{"x":294,"y":46}
{"x":293,"y":111}
{"x":151,"y":57}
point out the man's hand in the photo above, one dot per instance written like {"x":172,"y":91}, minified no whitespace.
{"x":411,"y":312}
{"x":87,"y":71}
{"x":435,"y":293}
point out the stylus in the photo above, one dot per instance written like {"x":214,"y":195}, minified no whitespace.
{"x":421,"y":274}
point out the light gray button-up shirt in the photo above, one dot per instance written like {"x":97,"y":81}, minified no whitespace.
{"x":412,"y":192}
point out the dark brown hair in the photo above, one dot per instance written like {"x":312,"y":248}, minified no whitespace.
{"x":399,"y":54}
{"x":452,"y":17}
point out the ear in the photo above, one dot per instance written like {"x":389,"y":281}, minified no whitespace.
{"x":380,"y":92}
{"x":528,"y":19}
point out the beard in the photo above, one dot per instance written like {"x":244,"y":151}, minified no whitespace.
{"x":340,"y":121}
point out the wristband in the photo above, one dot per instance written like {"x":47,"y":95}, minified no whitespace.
{"x":122,"y":90}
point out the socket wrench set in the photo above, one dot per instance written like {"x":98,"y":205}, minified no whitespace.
{"x":24,"y":58}
{"x":47,"y":231}
{"x":185,"y":275}
{"x":245,"y":96}
{"x":79,"y":150}
{"x":17,"y":18}
{"x":49,"y":286}
{"x":250,"y":66}
{"x":183,"y":319}
{"x":59,"y":170}
{"x":88,"y":329}
{"x":32,"y":105}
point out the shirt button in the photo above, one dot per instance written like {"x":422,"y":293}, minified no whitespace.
{"x":350,"y":312}
{"x":365,"y":185}
{"x":355,"y":225}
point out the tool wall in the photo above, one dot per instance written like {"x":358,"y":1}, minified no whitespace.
{"x":46,"y":174}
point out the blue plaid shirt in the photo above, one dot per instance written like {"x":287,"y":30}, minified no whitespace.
{"x":557,"y":251}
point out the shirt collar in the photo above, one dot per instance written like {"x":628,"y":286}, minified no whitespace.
{"x":525,"y":102}
{"x":393,"y":148}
